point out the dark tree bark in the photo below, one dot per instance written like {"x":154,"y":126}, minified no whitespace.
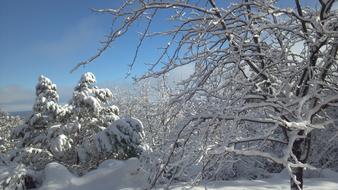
{"x":301,"y":149}
{"x":298,"y":172}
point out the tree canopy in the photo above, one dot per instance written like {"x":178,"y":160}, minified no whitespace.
{"x":262,"y":73}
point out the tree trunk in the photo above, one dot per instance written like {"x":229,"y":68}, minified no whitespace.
{"x":298,"y":172}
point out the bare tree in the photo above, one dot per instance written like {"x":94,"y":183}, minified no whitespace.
{"x":258,"y":67}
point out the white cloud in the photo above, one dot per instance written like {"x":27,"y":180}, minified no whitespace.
{"x":16,"y":98}
{"x":65,"y":94}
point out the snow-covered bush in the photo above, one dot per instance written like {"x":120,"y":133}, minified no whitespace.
{"x":7,"y":124}
{"x":324,"y":150}
{"x":17,"y":176}
{"x":121,"y":140}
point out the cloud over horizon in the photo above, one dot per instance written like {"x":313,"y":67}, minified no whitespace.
{"x":17,"y":98}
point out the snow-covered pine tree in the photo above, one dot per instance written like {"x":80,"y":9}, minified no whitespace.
{"x":91,"y":104}
{"x":46,"y":108}
{"x":35,"y":145}
{"x":102,"y":134}
{"x":79,"y":135}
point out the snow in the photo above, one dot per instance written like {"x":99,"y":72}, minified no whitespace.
{"x":269,"y":184}
{"x":110,"y":174}
{"x":88,"y":78}
{"x":281,"y":181}
{"x":60,"y":144}
{"x":127,"y":175}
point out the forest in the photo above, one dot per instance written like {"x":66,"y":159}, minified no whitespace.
{"x":260,"y":103}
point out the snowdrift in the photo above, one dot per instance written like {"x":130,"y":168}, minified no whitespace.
{"x":127,"y":175}
{"x":111,"y":174}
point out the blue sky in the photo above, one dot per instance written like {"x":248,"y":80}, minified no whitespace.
{"x":50,"y":37}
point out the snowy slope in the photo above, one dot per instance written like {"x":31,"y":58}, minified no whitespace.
{"x":111,"y":174}
{"x":114,"y":175}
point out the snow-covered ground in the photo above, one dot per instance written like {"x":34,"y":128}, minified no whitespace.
{"x":114,"y":175}
{"x":111,"y":174}
{"x":267,"y":184}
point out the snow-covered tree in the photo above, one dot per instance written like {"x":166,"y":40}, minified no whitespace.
{"x":89,"y":101}
{"x":83,"y":133}
{"x":33,"y":144}
{"x":93,"y":112}
{"x":102,"y":133}
{"x":92,"y":105}
{"x":259,"y":68}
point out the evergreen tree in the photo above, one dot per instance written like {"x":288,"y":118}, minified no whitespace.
{"x":34,"y":147}
{"x":83,"y":133}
